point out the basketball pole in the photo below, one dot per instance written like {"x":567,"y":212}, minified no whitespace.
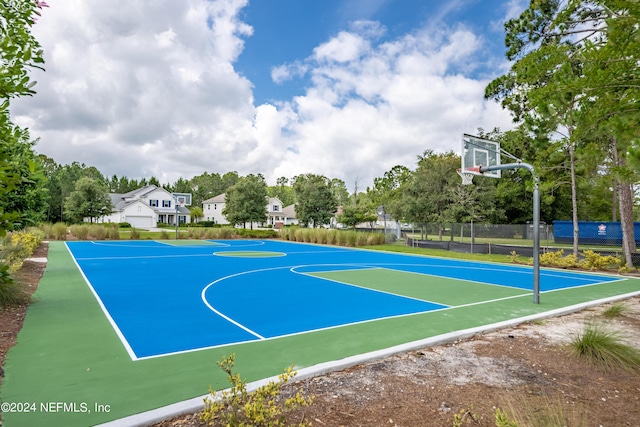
{"x":177,"y":221}
{"x":536,"y":219}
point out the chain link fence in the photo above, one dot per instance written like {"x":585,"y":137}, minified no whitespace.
{"x":507,"y":238}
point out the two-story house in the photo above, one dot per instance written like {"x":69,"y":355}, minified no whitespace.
{"x":277,"y":214}
{"x":146,"y":207}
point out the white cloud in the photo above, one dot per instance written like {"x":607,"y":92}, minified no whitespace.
{"x":143,"y":89}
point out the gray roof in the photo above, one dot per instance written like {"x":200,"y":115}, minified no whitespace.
{"x":220,"y":198}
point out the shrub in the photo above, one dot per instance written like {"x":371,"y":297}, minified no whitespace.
{"x":124,"y":225}
{"x":614,"y":311}
{"x":164,"y":235}
{"x":135,"y":234}
{"x":10,"y":292}
{"x":98,"y":232}
{"x":237,"y":407}
{"x":113,"y":232}
{"x":605,"y":348}
{"x":557,"y":259}
{"x":351,"y":238}
{"x":595,"y":261}
{"x":361,"y":239}
{"x":332,"y":237}
{"x":18,"y":246}
{"x":60,"y":231}
{"x":196,"y":233}
{"x":81,"y":231}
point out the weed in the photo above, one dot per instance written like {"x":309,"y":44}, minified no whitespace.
{"x":264,"y":407}
{"x":614,"y":311}
{"x":502,"y":419}
{"x":605,"y":348}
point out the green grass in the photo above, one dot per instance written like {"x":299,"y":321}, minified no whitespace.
{"x":614,"y":311}
{"x":520,"y":242}
{"x":402,"y":248}
{"x":606,"y":348}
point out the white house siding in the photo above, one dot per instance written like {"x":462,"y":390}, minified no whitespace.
{"x":212,"y":209}
{"x":140,"y":221}
{"x":144,"y":207}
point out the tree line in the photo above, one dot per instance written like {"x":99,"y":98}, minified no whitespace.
{"x":573,"y":89}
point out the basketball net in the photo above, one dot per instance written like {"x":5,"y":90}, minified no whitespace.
{"x":467,"y":177}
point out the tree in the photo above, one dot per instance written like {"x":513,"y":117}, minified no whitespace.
{"x":353,"y":215}
{"x":30,"y":196}
{"x":89,"y":200}
{"x":387,"y":191}
{"x":196,"y":212}
{"x":283,"y":191}
{"x":246,"y":201}
{"x":576,"y":73}
{"x":316,"y":202}
{"x":429,"y":193}
{"x":19,"y":52}
{"x":61,"y":182}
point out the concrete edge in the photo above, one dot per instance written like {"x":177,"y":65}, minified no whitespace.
{"x":197,"y":403}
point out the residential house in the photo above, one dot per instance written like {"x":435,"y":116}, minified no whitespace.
{"x":146,"y":207}
{"x":277,"y":215}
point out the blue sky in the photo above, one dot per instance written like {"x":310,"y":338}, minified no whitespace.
{"x":288,"y":30}
{"x":343,"y":88}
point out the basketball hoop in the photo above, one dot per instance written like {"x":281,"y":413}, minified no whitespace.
{"x":467,"y":175}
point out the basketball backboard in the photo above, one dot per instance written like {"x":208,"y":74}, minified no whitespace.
{"x":478,"y":152}
{"x":183,"y":199}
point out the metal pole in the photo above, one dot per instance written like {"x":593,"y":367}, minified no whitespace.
{"x":536,"y":239}
{"x":176,"y":202}
{"x":536,"y":220}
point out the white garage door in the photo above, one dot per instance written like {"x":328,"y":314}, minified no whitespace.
{"x":140,"y":221}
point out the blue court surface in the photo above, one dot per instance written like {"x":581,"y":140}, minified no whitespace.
{"x":165,"y":299}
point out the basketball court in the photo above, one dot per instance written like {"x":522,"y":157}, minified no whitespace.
{"x":133,"y":326}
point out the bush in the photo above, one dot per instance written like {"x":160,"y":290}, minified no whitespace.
{"x":595,"y":261}
{"x":332,"y":237}
{"x":60,"y":231}
{"x":135,"y":234}
{"x":18,"y":246}
{"x":361,"y":239}
{"x":237,"y":407}
{"x":351,"y":238}
{"x":113,"y":232}
{"x":98,"y":232}
{"x":124,"y":225}
{"x":164,"y":235}
{"x":81,"y":231}
{"x":11,"y":293}
{"x":557,"y":259}
{"x":605,"y":348}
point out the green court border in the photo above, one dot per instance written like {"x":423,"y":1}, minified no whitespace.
{"x":67,"y":351}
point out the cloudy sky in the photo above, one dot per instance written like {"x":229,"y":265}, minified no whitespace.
{"x":343,"y":88}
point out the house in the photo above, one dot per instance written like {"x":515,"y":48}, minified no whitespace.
{"x":289,"y":215}
{"x":146,"y":207}
{"x":277,"y":215}
{"x":212,"y":209}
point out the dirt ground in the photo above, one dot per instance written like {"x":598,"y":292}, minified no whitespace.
{"x":527,"y":371}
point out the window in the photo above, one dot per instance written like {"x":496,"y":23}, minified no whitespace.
{"x":153,"y":202}
{"x":166,"y":203}
{"x":276,"y":208}
{"x":215,"y":207}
